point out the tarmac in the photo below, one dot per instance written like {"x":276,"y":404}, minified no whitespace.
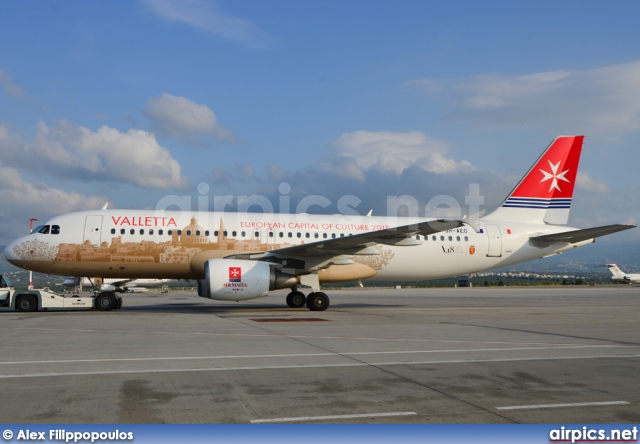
{"x":405,"y":356}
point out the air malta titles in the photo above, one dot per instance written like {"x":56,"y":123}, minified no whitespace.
{"x":147,"y":221}
{"x":235,"y":278}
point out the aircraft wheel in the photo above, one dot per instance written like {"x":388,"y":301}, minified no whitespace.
{"x":106,"y":301}
{"x":27,"y":302}
{"x":318,"y":301}
{"x":296,"y":299}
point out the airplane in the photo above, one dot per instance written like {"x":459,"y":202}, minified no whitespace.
{"x":621,"y":276}
{"x":118,"y":285}
{"x":241,"y":256}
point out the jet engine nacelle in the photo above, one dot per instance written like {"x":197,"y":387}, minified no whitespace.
{"x":239,"y":280}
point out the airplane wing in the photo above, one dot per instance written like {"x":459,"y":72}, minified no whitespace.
{"x":360,"y":243}
{"x":119,"y":283}
{"x":582,"y":235}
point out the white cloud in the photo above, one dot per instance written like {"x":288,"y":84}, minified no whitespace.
{"x":9,"y":87}
{"x":77,"y":153}
{"x":239,"y":172}
{"x":597,"y":100}
{"x":207,"y":16}
{"x":395,"y":152}
{"x":586,"y":183}
{"x":21,"y":200}
{"x":181,"y":119}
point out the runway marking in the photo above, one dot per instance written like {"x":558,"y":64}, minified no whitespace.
{"x":305,"y":366}
{"x":285,"y":336}
{"x":322,"y":418}
{"x":557,"y":406}
{"x":300,"y":355}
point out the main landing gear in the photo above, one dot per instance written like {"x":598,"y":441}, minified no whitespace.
{"x":316,"y":301}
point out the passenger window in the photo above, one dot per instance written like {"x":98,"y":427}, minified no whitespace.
{"x":257,"y":233}
{"x":442,"y":238}
{"x":325,"y":235}
{"x":433,"y":238}
{"x":141,"y":231}
{"x":299,"y":235}
{"x":234,"y":233}
{"x":160,"y":232}
{"x":290,"y":234}
{"x":55,"y":229}
{"x":243,"y":234}
{"x":281,"y":234}
{"x":270,"y":233}
{"x":215,"y":233}
{"x":113,"y":231}
{"x":122,"y":231}
{"x":132,"y":231}
{"x":450,"y":238}
{"x":333,"y":235}
{"x":466,"y":238}
{"x":458,"y":238}
{"x":316,"y":235}
{"x":44,"y":230}
{"x":197,"y":232}
{"x":206,"y":233}
{"x":179,"y":232}
{"x":150,"y":230}
{"x":224,"y":233}
{"x":170,"y":232}
{"x":188,"y":232}
{"x":418,"y":237}
{"x":341,"y":234}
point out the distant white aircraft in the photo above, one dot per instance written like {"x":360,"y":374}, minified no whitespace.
{"x":241,"y":256}
{"x":621,"y":276}
{"x":137,"y":290}
{"x":120,"y":285}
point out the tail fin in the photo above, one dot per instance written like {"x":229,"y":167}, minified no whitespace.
{"x":617,"y":273}
{"x":544,"y":193}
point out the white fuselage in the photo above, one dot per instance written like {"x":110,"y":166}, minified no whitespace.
{"x":150,"y":244}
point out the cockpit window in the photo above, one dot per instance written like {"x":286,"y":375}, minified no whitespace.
{"x":55,"y":229}
{"x":44,"y":229}
{"x":5,"y":282}
{"x":36,"y":229}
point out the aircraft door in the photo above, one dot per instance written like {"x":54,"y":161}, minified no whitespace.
{"x":495,"y":241}
{"x":92,"y":230}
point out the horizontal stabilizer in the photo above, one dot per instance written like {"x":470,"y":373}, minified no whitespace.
{"x":582,"y":235}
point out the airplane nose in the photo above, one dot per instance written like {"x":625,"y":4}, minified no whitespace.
{"x":9,"y":253}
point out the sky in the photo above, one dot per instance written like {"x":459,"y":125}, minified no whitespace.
{"x":137,"y":103}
